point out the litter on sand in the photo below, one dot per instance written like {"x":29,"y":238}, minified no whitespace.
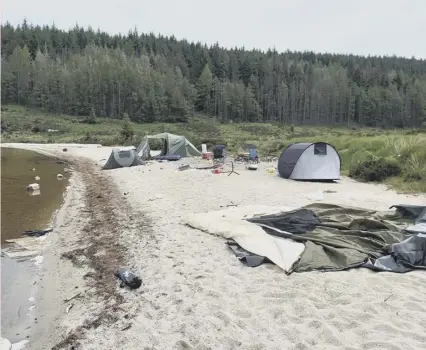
{"x":37,"y":233}
{"x":128,"y":278}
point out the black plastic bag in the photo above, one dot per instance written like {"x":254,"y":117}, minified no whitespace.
{"x":128,"y":278}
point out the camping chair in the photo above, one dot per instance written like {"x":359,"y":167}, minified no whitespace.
{"x":253,"y":155}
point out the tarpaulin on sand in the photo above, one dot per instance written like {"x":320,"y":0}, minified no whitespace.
{"x":333,"y":238}
{"x":230,"y":224}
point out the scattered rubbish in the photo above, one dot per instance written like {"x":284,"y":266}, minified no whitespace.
{"x":69,"y":307}
{"x":37,"y":233}
{"x":60,"y":162}
{"x":127,"y":327}
{"x":65,"y":150}
{"x":33,"y":187}
{"x":330,"y":191}
{"x":158,"y":196}
{"x":66,"y":170}
{"x":73,"y":297}
{"x":59,"y":176}
{"x":33,"y":169}
{"x":387,"y":298}
{"x":184,"y":167}
{"x":252,"y":167}
{"x":230,"y":205}
{"x":34,"y":193}
{"x":270,"y":170}
{"x":52,"y":130}
{"x":37,"y":178}
{"x":128,"y":278}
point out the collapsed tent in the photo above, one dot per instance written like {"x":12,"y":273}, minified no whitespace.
{"x":321,"y":236}
{"x":309,"y":161}
{"x":123,"y":157}
{"x":171,"y":145}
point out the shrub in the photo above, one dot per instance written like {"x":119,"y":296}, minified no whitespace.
{"x":127,"y":130}
{"x":414,"y":175}
{"x":377,"y":169}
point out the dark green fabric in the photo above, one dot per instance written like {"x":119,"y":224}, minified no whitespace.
{"x":345,"y":236}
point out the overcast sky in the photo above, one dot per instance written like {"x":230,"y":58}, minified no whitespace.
{"x":380,"y":27}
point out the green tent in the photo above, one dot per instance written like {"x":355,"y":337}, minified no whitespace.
{"x":172,"y":145}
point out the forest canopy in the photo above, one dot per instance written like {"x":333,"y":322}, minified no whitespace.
{"x":157,"y":78}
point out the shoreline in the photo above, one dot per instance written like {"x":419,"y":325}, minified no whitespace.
{"x":22,"y":263}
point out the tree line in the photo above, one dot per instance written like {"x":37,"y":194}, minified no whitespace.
{"x":157,"y":78}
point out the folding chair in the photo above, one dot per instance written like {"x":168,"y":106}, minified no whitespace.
{"x":253,"y":155}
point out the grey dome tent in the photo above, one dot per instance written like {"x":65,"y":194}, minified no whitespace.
{"x":173,"y":145}
{"x":123,"y":157}
{"x":309,"y":161}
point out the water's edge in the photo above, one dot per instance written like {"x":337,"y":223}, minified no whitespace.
{"x":19,"y":281}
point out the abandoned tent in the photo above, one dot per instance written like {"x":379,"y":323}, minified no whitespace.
{"x":309,"y":161}
{"x":321,"y":236}
{"x":172,"y":145}
{"x":122,"y":157}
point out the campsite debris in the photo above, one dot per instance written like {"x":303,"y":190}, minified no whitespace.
{"x":37,"y":233}
{"x":330,"y":191}
{"x":270,"y":170}
{"x":388,"y":298}
{"x":33,"y":169}
{"x":69,"y":307}
{"x":157,"y":196}
{"x":184,"y":167}
{"x":230,"y":205}
{"x":127,"y":327}
{"x":59,"y":176}
{"x":37,"y":178}
{"x":128,"y":278}
{"x":33,"y":187}
{"x":34,"y":193}
{"x":73,"y":297}
{"x":65,"y":150}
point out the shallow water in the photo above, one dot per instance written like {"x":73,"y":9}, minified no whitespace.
{"x":23,"y":210}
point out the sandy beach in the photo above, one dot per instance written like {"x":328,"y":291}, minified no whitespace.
{"x":195,"y":292}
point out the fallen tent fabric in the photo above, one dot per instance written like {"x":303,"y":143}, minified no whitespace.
{"x":230,"y":224}
{"x":321,"y":236}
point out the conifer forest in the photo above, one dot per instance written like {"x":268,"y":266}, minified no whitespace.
{"x":153,"y":78}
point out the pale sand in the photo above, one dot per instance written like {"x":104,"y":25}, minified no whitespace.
{"x":197,"y":295}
